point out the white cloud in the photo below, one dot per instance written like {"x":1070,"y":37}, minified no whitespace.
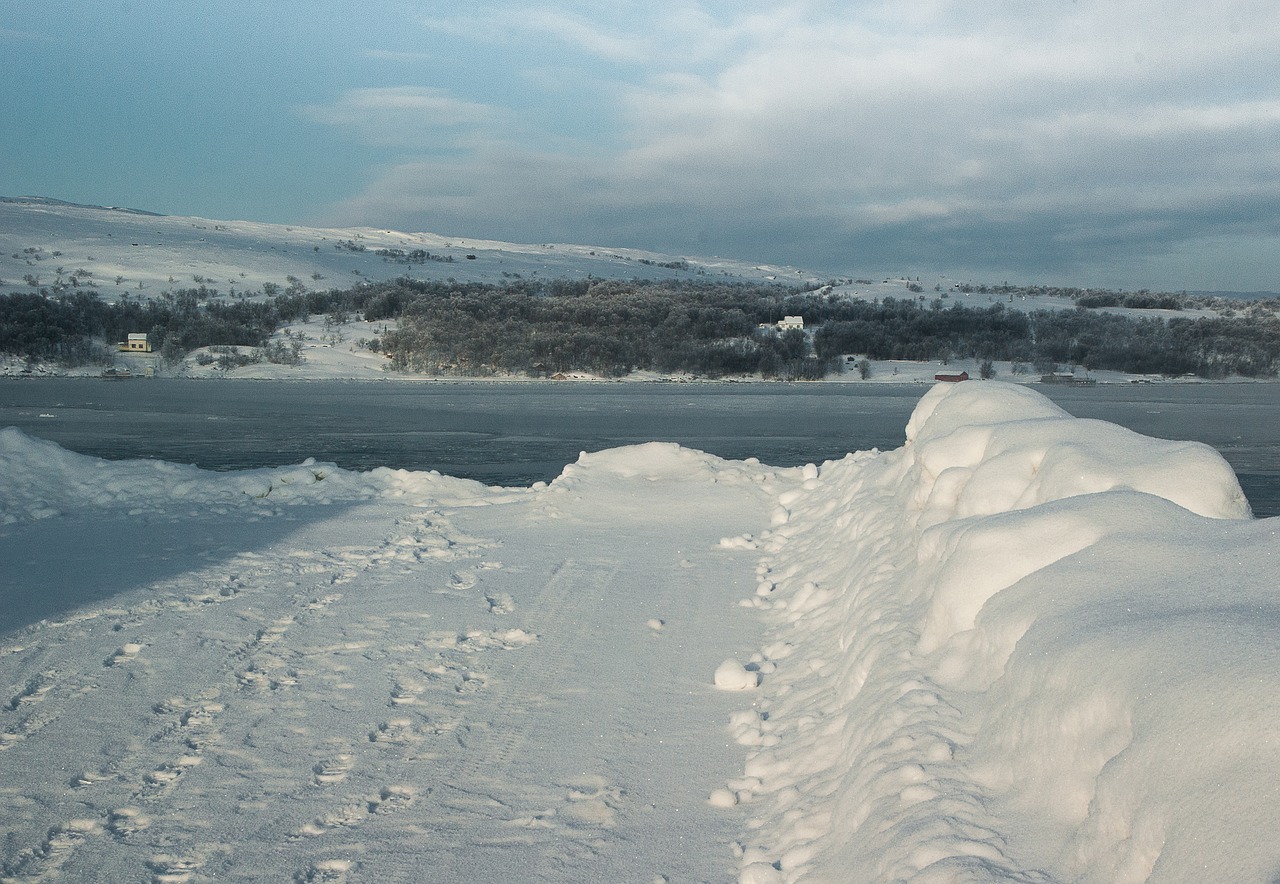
{"x":585,"y":35}
{"x":540,"y":23}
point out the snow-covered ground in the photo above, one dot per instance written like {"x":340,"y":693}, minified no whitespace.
{"x":1022,"y":647}
{"x":119,"y":251}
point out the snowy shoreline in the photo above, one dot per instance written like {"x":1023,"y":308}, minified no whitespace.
{"x":887,"y":373}
{"x":339,"y":353}
{"x":1023,"y":646}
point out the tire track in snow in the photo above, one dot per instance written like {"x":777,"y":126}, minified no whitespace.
{"x":481,"y":798}
{"x":525,"y":682}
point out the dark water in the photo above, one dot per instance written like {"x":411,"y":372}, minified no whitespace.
{"x":515,"y":434}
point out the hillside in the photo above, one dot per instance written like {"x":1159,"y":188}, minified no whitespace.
{"x":116,"y":250}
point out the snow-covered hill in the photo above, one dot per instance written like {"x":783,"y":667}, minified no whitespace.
{"x":118,"y":250}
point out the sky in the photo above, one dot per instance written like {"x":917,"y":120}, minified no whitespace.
{"x":1125,"y":144}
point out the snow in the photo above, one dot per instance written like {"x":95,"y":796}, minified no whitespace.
{"x":149,"y":254}
{"x":1021,"y":647}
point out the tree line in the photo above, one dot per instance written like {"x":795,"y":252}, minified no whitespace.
{"x":610,"y":327}
{"x":607,"y":327}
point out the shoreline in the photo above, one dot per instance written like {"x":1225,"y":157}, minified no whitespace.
{"x":294,"y":376}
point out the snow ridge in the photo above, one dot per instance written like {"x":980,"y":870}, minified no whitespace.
{"x":1016,"y":649}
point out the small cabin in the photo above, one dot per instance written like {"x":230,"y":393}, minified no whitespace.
{"x":790,"y":322}
{"x":951,"y":377}
{"x":137,"y":343}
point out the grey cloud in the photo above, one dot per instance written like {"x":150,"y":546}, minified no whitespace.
{"x":1106,"y":145}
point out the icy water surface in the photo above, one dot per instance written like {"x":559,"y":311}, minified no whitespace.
{"x":519,"y":433}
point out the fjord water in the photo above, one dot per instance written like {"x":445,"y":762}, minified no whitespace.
{"x":523,"y":432}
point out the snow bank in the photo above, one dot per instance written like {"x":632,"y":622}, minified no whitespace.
{"x":39,"y":479}
{"x":1023,"y":647}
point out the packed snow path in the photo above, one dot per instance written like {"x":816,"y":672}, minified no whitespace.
{"x":1023,"y":647}
{"x":424,"y":686}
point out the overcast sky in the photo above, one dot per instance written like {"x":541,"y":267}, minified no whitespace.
{"x":1121,"y":143}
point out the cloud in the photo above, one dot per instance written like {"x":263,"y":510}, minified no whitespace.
{"x":644,"y":35}
{"x":408,"y":116}
{"x":540,"y":23}
{"x":1057,"y":141}
{"x":585,"y":35}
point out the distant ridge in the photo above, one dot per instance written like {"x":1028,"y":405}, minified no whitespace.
{"x":46,"y":242}
{"x":116,"y":249}
{"x":50,"y":201}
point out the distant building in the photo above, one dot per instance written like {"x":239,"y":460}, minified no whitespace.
{"x":951,"y":377}
{"x":137,"y":343}
{"x":790,"y":322}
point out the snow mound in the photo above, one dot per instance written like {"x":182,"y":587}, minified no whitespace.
{"x":39,"y":479}
{"x":655,"y":462}
{"x":1023,"y":647}
{"x":650,"y":481}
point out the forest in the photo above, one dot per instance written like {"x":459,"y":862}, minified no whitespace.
{"x":615,"y":327}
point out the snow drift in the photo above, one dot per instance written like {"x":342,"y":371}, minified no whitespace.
{"x":1022,"y":647}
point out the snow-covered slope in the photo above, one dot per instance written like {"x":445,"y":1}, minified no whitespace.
{"x":1023,"y":647}
{"x":150,"y":253}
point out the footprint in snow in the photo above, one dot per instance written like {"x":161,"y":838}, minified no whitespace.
{"x":319,"y":604}
{"x":405,"y":693}
{"x":33,"y":692}
{"x":329,"y":871}
{"x":500,"y":603}
{"x":391,"y":799}
{"x":126,"y":653}
{"x":15,"y":734}
{"x":461,"y":580}
{"x":332,"y":770}
{"x":168,"y":868}
{"x":394,"y":732}
{"x":46,"y":861}
{"x":586,"y":802}
{"x":125,"y":822}
{"x":471,"y":682}
{"x":388,"y":800}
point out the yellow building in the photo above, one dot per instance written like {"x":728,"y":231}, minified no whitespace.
{"x":137,"y":343}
